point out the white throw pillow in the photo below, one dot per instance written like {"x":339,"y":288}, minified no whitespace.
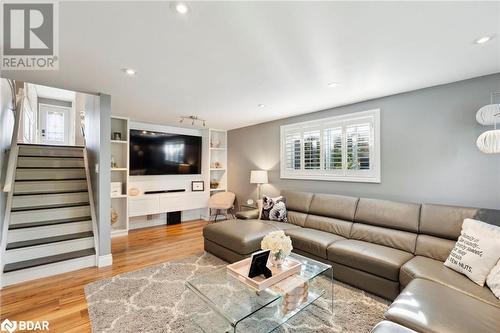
{"x":476,"y":251}
{"x":493,"y":280}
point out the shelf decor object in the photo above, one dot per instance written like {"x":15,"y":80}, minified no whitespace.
{"x":489,"y":141}
{"x":197,"y":186}
{"x":258,"y":177}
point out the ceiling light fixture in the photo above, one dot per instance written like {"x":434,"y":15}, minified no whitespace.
{"x":483,"y":40}
{"x":194,"y":119}
{"x":261,"y":105}
{"x":129,"y":71}
{"x":180,"y":8}
{"x":333,"y":84}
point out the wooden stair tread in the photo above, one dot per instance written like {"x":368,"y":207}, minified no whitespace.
{"x":48,"y":240}
{"x":68,"y":205}
{"x":48,"y":260}
{"x":46,"y":223}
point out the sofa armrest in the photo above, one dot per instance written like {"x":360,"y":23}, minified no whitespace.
{"x":252,"y":214}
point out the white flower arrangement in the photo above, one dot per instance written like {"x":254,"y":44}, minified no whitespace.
{"x":277,"y":241}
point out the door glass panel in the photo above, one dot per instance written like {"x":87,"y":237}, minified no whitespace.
{"x":55,"y":126}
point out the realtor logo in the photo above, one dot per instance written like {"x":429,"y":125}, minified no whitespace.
{"x":30,"y":36}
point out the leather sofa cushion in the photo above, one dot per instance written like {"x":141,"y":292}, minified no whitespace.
{"x":298,"y":201}
{"x":328,"y":224}
{"x":337,"y":206}
{"x":390,"y":214}
{"x":376,"y":259}
{"x":397,"y":239}
{"x":434,"y":247}
{"x":279,"y":225}
{"x":434,"y":270}
{"x":312,"y":241}
{"x":427,"y":306}
{"x":242,"y":237}
{"x":296,"y":218}
{"x":390,"y":327}
{"x":444,"y":221}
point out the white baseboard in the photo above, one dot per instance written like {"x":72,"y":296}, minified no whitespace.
{"x":104,"y":261}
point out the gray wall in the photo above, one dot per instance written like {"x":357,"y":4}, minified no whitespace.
{"x":98,"y":127}
{"x":6,"y":128}
{"x":429,"y":151}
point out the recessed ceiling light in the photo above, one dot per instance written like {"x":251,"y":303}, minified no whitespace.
{"x":129,"y":71}
{"x":261,"y":105}
{"x":333,"y":84}
{"x":483,"y":40}
{"x":180,"y":8}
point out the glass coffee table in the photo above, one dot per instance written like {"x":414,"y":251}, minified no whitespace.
{"x":234,"y":306}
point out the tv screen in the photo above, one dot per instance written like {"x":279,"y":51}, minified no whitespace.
{"x":155,"y":153}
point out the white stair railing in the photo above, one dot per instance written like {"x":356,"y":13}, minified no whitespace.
{"x":11,"y":174}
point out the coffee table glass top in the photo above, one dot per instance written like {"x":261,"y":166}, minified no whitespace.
{"x":235,"y":301}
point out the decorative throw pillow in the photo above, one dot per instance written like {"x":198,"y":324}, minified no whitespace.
{"x":493,"y":280}
{"x":476,"y":251}
{"x":274,"y":209}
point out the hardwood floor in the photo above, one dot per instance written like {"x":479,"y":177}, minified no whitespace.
{"x":61,"y":300}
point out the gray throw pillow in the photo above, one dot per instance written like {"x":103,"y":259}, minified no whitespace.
{"x":274,"y":209}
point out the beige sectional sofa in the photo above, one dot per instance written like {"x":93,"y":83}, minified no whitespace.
{"x":392,"y":249}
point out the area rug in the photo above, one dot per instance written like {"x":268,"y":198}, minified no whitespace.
{"x":155,"y":299}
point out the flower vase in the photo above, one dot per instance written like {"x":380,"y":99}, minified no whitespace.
{"x":278,"y":258}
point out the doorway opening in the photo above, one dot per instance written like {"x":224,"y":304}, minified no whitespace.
{"x":51,"y":116}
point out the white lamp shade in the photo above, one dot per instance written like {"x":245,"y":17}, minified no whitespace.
{"x":488,"y":114}
{"x":258,"y":177}
{"x":489,"y":142}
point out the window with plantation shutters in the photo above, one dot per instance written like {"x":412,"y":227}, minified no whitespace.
{"x":341,"y":148}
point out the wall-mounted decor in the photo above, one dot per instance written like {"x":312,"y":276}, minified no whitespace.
{"x":197,"y":186}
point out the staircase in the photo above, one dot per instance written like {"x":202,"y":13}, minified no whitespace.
{"x":51,"y":222}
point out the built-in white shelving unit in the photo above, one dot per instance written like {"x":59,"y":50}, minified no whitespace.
{"x":218,"y":160}
{"x":120,"y":173}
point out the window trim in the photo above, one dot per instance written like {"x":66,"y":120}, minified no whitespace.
{"x":344,"y":175}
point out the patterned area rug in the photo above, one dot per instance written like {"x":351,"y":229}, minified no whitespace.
{"x":155,"y":299}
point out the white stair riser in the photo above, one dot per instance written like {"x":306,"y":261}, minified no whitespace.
{"x":49,"y":214}
{"x":47,"y":270}
{"x":24,"y":201}
{"x":50,"y":151}
{"x":29,"y":174}
{"x":49,"y":186}
{"x":19,"y":235}
{"x":50,"y":162}
{"x":45,"y":250}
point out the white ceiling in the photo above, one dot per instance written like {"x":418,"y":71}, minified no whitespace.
{"x":224,"y":58}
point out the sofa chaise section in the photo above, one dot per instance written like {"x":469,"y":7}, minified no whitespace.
{"x":426,"y":306}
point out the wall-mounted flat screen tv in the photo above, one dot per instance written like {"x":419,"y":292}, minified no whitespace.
{"x":156,"y":153}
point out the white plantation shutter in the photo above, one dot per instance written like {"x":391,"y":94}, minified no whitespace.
{"x":312,"y":150}
{"x":333,"y":148}
{"x":344,"y":148}
{"x":358,"y":146}
{"x":292,"y":150}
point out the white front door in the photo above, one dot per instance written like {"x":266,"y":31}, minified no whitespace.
{"x":54,"y":125}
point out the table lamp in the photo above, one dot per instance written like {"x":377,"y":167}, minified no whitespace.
{"x":258,"y":177}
